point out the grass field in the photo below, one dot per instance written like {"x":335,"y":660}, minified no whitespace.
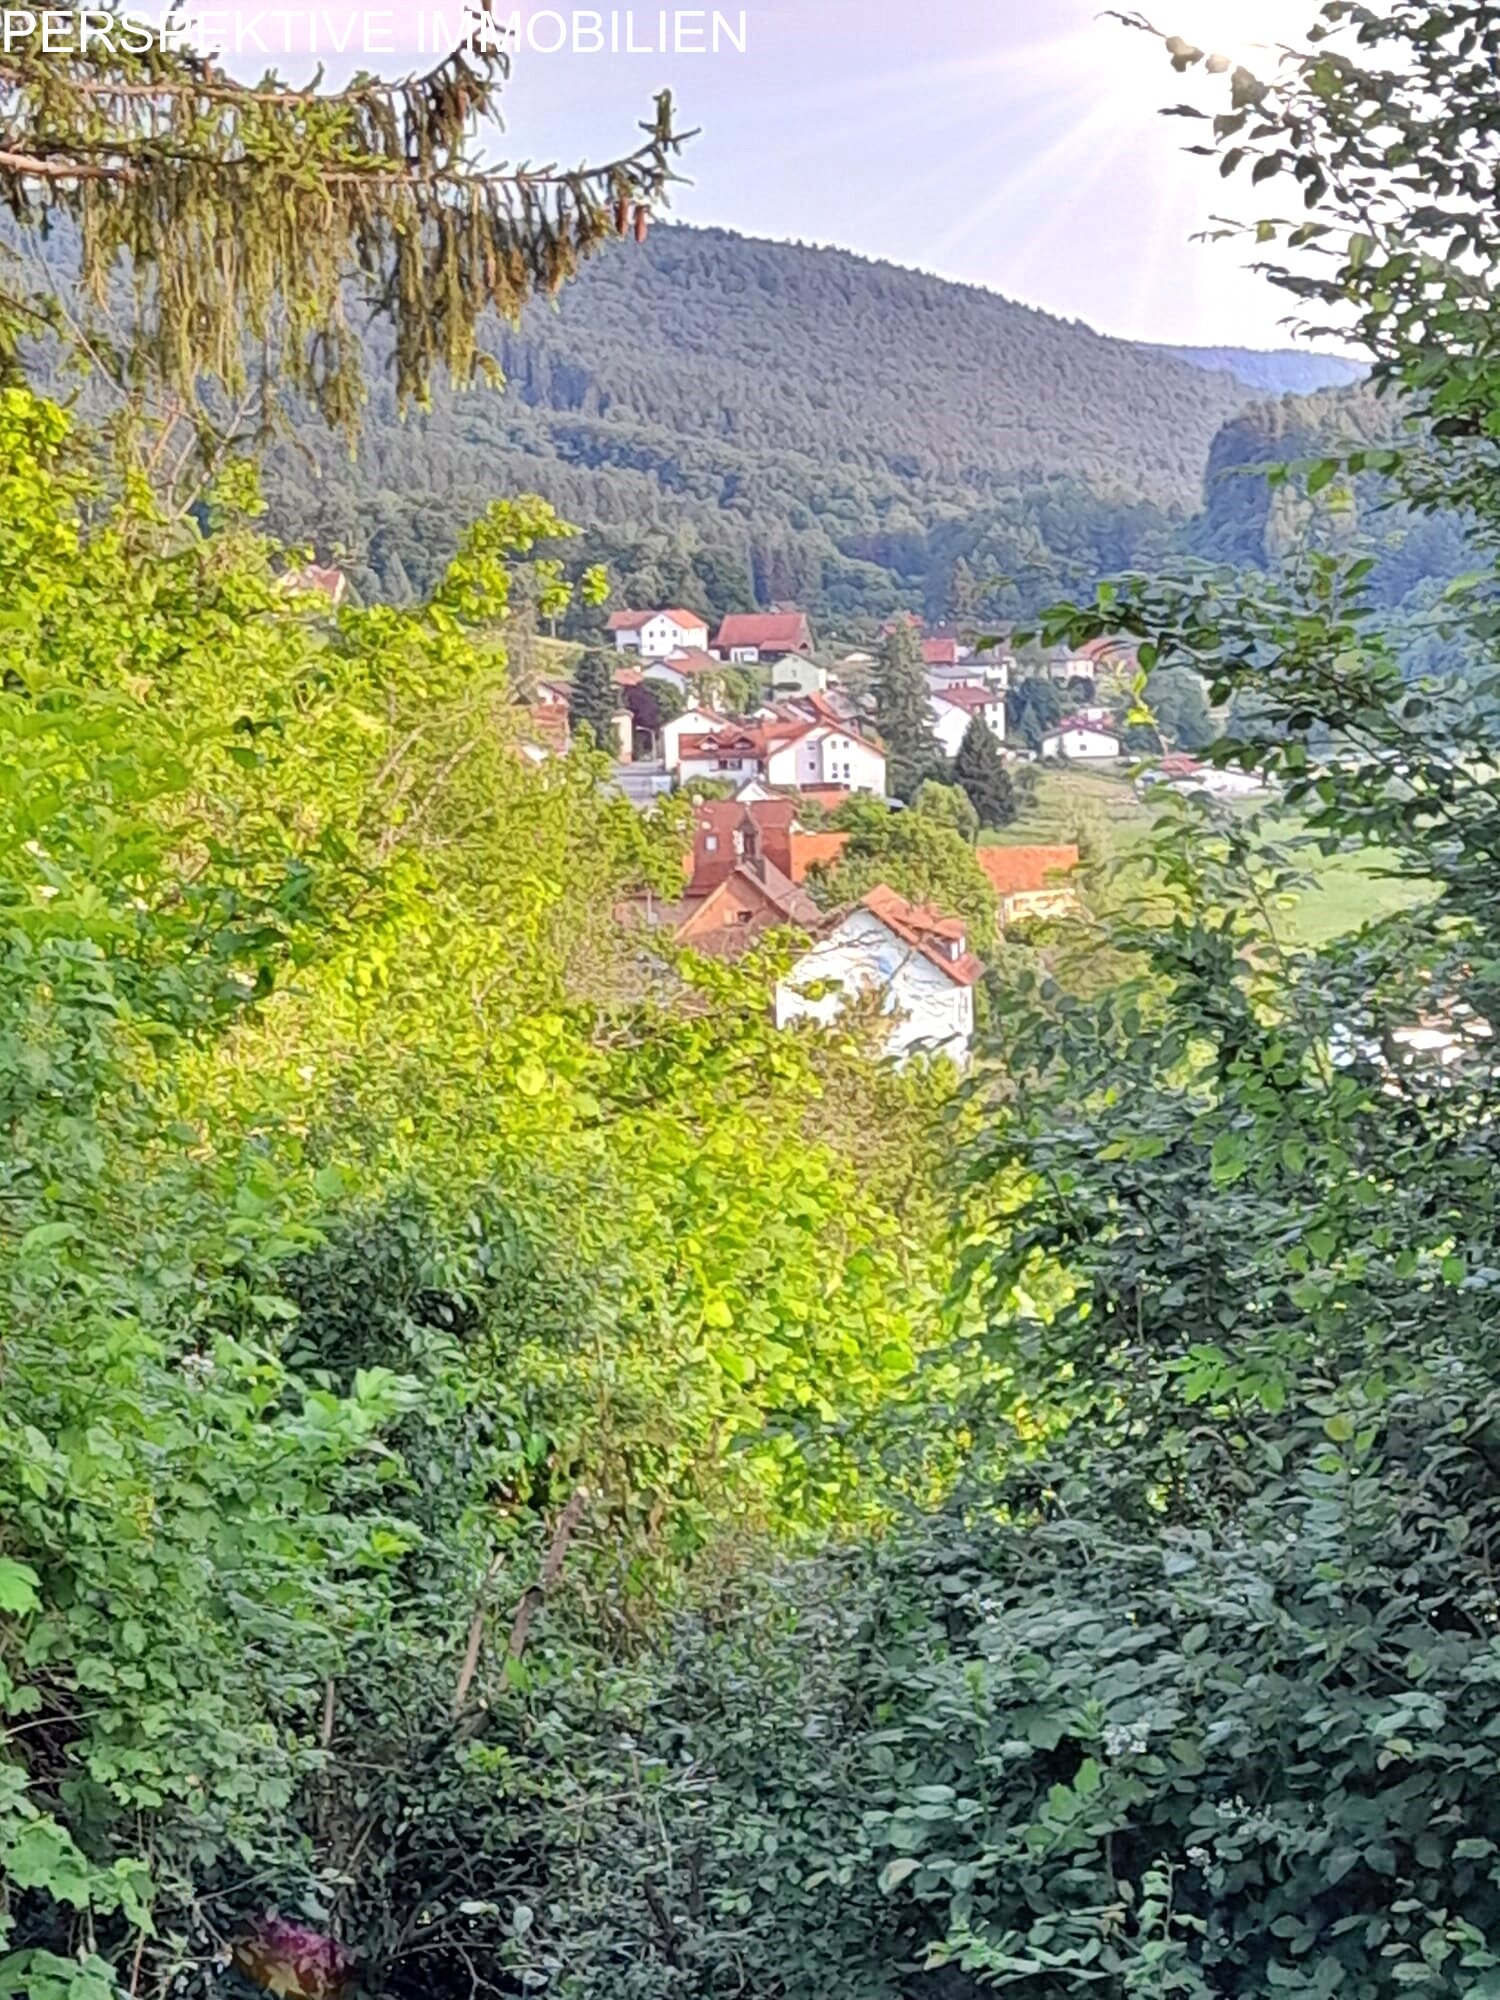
{"x":1102,"y":805}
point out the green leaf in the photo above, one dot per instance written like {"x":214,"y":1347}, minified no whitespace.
{"x":20,"y":1587}
{"x":896,"y":1872}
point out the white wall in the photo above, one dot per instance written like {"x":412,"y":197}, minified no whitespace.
{"x":1086,"y":743}
{"x":691,"y":722}
{"x":661,"y":636}
{"x":929,"y":1013}
{"x":799,"y":674}
{"x":950,"y":725}
{"x":828,"y":756}
{"x":711,"y":767}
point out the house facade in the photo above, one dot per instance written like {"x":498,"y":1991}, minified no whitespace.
{"x":695,"y":721}
{"x":787,"y":754}
{"x":1031,"y":881}
{"x":911,"y":963}
{"x":748,"y":637}
{"x":655,"y":634}
{"x":824,"y":755}
{"x":954,"y":708}
{"x":793,"y":674}
{"x":1078,"y":737}
{"x":695,"y":674}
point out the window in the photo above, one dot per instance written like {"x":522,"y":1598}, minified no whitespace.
{"x":711,"y":843}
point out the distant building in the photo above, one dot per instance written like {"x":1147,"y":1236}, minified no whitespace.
{"x":792,"y":674}
{"x":913,"y":961}
{"x":695,"y":674}
{"x":314,"y":579}
{"x":992,"y":670}
{"x":1181,"y":773}
{"x":1077,"y":738}
{"x":746,"y":637}
{"x":696,"y":721}
{"x":655,"y":634}
{"x":789,"y":753}
{"x":739,"y":883}
{"x":955,"y":707}
{"x":1031,"y":881}
{"x":943,"y":651}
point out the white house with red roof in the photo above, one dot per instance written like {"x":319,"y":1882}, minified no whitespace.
{"x":694,"y":673}
{"x":954,"y":708}
{"x":655,"y":634}
{"x":914,"y":963}
{"x":1083,"y":739}
{"x":788,"y":751}
{"x":746,"y":637}
{"x":830,"y":755}
{"x":694,"y":723}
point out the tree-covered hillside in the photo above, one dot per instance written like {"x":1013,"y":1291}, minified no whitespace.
{"x":787,"y":421}
{"x":1282,"y":371}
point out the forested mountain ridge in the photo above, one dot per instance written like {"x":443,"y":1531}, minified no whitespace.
{"x":800,"y":419}
{"x":1281,"y":371}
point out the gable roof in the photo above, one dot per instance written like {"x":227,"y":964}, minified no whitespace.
{"x":781,"y":901}
{"x":1085,"y":722}
{"x":633,"y":621}
{"x":1018,"y":871}
{"x":781,"y":631}
{"x":966,"y":695}
{"x":691,"y":660}
{"x":316,"y":578}
{"x":927,"y":931}
{"x":811,"y":850}
{"x":940,"y":652}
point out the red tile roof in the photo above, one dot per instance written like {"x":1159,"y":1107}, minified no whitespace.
{"x":692,"y":660}
{"x":549,"y":725}
{"x":926,"y":930}
{"x":632,"y":621}
{"x":967,"y":695}
{"x":313,"y":578}
{"x":811,"y":850}
{"x":776,"y":631}
{"x":1018,"y":871}
{"x":940,"y":652}
{"x":1083,"y":722}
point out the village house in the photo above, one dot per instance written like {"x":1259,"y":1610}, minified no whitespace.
{"x":655,"y":634}
{"x":991,"y":670}
{"x":1181,"y":773}
{"x":911,"y":960}
{"x":954,"y":708}
{"x":694,"y":674}
{"x":698,"y":720}
{"x":747,"y":637}
{"x":943,"y":651}
{"x":740,"y":883}
{"x":1031,"y":881}
{"x":788,"y":753}
{"x":1082,"y":739}
{"x":793,"y":674}
{"x":317,"y":579}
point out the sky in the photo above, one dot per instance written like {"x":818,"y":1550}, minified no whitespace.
{"x":1016,"y":144}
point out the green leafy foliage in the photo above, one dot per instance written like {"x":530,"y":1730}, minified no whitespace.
{"x":465,"y":1244}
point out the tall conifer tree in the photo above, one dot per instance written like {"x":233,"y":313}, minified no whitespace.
{"x":980,"y":770}
{"x":903,"y":713}
{"x":594,"y":699}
